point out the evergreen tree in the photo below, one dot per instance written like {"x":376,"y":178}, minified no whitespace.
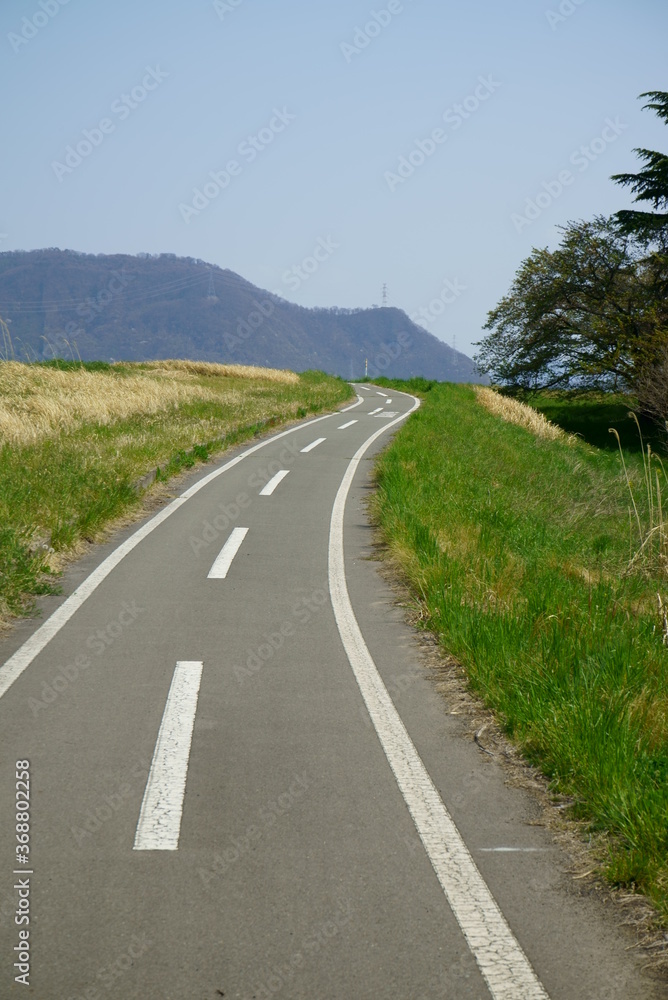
{"x":650,"y":185}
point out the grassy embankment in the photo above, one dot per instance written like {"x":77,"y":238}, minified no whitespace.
{"x":77,"y":440}
{"x":517,"y":542}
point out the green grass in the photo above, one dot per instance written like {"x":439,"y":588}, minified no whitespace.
{"x":69,"y":486}
{"x":589,"y":416}
{"x":417,"y":386}
{"x":517,"y":547}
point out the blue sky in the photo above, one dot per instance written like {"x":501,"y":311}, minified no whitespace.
{"x":417,"y":143}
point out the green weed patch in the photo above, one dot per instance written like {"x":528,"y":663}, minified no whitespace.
{"x":518,"y":548}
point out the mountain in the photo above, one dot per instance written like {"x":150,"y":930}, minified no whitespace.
{"x":61,"y":303}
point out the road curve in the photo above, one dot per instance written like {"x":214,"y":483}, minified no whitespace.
{"x":242,"y":781}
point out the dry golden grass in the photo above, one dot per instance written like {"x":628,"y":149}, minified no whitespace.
{"x":518,"y":413}
{"x":37,"y":402}
{"x":225,"y":371}
{"x":459,"y":542}
{"x":654,"y":714}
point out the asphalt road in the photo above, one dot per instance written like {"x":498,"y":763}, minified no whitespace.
{"x":243,"y":782}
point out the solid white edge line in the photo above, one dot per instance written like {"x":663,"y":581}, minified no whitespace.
{"x":349,"y":424}
{"x":224,"y":558}
{"x":159,"y":824}
{"x":312,"y":445}
{"x":14,"y":666}
{"x":267,"y":490}
{"x":500,"y":958}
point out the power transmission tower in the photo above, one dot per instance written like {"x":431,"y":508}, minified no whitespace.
{"x":211,"y":293}
{"x":8,"y":347}
{"x":384,"y":295}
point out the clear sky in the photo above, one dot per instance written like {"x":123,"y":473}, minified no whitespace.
{"x":403,"y":139}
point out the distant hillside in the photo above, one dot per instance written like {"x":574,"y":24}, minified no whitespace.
{"x":63,"y":303}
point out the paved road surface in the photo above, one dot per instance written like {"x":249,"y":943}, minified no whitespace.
{"x":243,"y":783}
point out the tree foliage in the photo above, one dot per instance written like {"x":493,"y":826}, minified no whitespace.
{"x":650,"y":185}
{"x":594,"y":312}
{"x":584,"y":315}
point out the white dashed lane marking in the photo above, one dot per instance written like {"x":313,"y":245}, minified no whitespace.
{"x":349,"y":424}
{"x":159,"y":823}
{"x":273,"y":483}
{"x":312,"y":445}
{"x":19,"y":661}
{"x":222,"y":564}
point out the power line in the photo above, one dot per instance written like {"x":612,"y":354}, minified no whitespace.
{"x":35,"y":306}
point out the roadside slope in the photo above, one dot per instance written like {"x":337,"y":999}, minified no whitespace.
{"x":517,"y":548}
{"x":80,"y":445}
